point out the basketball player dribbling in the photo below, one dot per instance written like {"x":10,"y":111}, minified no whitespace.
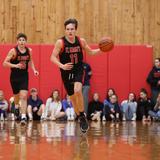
{"x":70,"y":50}
{"x":18,"y":59}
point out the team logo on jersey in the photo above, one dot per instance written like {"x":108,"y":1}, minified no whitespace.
{"x":73,"y":49}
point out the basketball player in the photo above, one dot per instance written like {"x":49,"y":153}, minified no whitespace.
{"x":18,"y":59}
{"x":70,"y":50}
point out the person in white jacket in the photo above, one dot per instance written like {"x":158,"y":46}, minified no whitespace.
{"x":53,"y":109}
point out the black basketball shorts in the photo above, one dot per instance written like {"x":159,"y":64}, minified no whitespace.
{"x":19,"y":83}
{"x":69,"y":79}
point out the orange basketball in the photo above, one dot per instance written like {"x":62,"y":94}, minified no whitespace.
{"x":106,"y":44}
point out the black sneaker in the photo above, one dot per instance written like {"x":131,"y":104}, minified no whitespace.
{"x":84,"y":126}
{"x":23,"y":121}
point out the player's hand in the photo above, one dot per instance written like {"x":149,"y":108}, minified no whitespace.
{"x":67,"y":66}
{"x":19,"y":65}
{"x":36,"y":73}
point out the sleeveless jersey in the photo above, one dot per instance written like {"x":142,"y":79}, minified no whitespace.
{"x":22,"y":58}
{"x":72,"y":52}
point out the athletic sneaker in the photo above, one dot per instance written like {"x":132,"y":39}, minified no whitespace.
{"x":84,"y":126}
{"x":23,"y":121}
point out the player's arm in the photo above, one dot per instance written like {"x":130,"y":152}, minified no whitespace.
{"x":55,"y":53}
{"x":32,"y":63}
{"x":86,"y":47}
{"x":11,"y":55}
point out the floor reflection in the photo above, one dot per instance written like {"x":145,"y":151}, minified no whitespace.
{"x":56,"y":140}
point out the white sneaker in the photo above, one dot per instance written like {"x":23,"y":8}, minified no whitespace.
{"x":104,"y":118}
{"x":72,"y":118}
{"x":43,"y":118}
{"x":2,"y":117}
{"x":124,"y":118}
{"x":68,"y":118}
{"x":134,"y":117}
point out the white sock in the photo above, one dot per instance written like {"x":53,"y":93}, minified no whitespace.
{"x":30,"y":115}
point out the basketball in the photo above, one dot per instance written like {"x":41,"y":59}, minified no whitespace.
{"x":106,"y":44}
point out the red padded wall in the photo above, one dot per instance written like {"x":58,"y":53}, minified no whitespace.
{"x":119,"y":70}
{"x":125,"y":68}
{"x":5,"y":72}
{"x":34,"y":80}
{"x":141,"y":64}
{"x":99,"y":65}
{"x":49,"y":73}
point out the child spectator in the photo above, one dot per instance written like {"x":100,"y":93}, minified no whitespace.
{"x":68,"y":108}
{"x":95,"y":108}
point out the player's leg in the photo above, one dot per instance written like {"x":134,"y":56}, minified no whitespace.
{"x":80,"y":105}
{"x":15,"y":89}
{"x":74,"y":103}
{"x":23,"y":105}
{"x":79,"y":96}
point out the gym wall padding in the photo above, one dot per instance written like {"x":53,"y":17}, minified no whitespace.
{"x":125,"y":69}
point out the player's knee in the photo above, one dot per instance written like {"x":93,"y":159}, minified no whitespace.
{"x":23,"y":96}
{"x":77,"y":89}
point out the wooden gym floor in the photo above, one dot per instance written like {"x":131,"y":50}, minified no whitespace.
{"x":63,"y":141}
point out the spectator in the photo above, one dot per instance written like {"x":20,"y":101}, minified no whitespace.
{"x":113,"y":109}
{"x":3,"y":106}
{"x":68,"y":108}
{"x":106,"y":102}
{"x":86,"y":84}
{"x":154,"y":79}
{"x":156,"y":113}
{"x":129,"y":107}
{"x":54,"y":110}
{"x":35,"y":107}
{"x":144,"y":106}
{"x":95,"y":108}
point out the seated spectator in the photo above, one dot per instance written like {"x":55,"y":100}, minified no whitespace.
{"x":3,"y":106}
{"x":95,"y":108}
{"x":106,"y":102}
{"x":155,"y":114}
{"x":54,"y":109}
{"x":129,"y":108}
{"x":35,"y":107}
{"x":112,"y":110}
{"x":144,"y":106}
{"x":68,"y":108}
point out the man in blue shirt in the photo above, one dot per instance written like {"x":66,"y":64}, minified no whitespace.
{"x":86,"y":84}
